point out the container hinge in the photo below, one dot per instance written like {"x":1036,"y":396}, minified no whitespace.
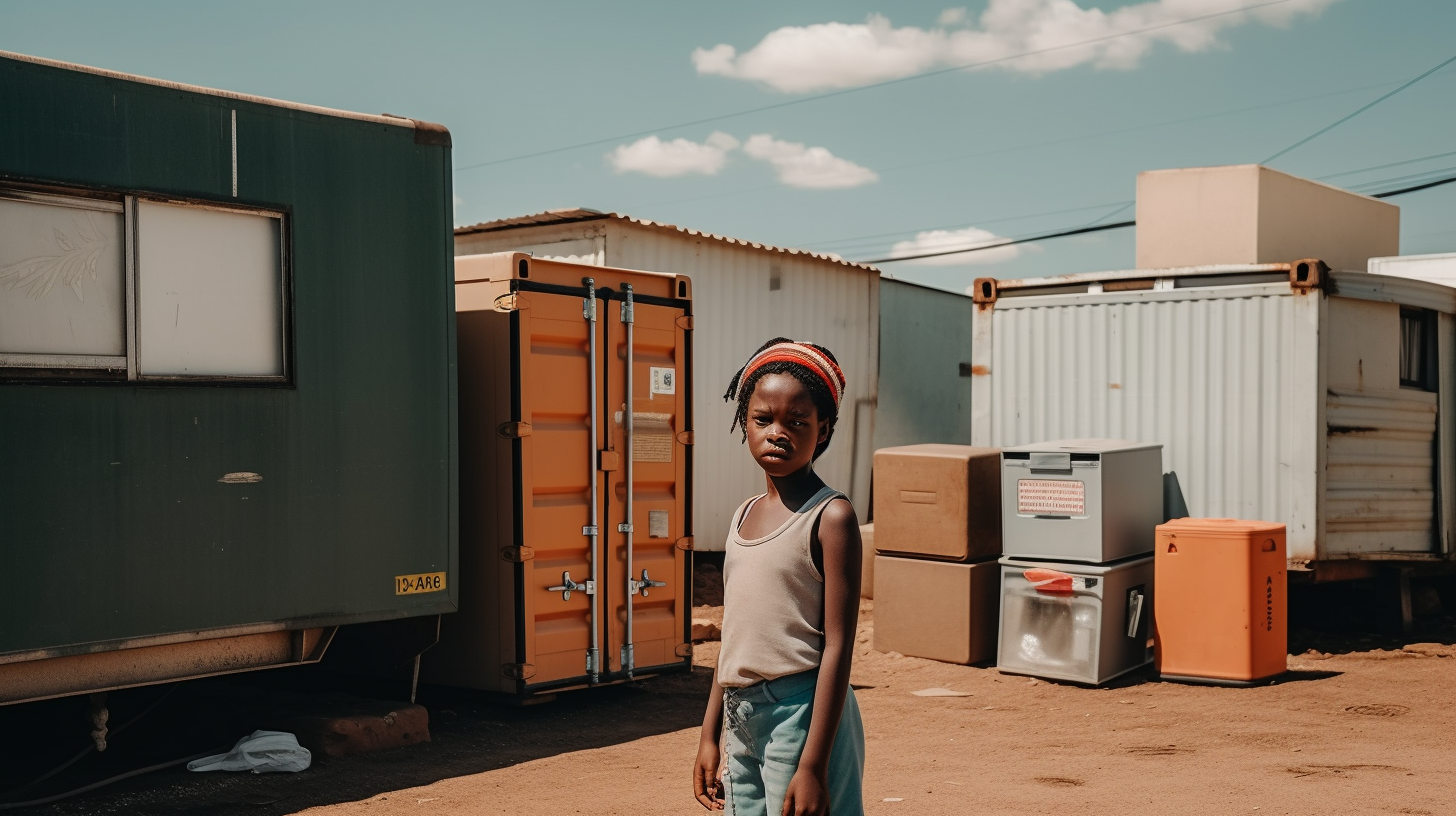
{"x":513,"y":430}
{"x":633,"y":587}
{"x":518,"y":671}
{"x":589,"y":530}
{"x":685,"y":543}
{"x":683,"y":650}
{"x":627,"y":311}
{"x":685,"y":438}
{"x":517,"y":555}
{"x":510,"y":302}
{"x":624,"y":528}
{"x":568,"y":586}
{"x":684,"y":322}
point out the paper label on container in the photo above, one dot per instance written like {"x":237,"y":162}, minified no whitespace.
{"x":1051,"y":497}
{"x":664,"y":380}
{"x":651,"y":437}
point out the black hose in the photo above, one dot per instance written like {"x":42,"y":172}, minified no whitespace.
{"x":92,"y":747}
{"x":94,"y":785}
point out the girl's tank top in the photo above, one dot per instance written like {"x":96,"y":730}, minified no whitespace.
{"x":773,"y":599}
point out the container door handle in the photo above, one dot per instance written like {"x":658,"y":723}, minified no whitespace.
{"x":643,"y":585}
{"x":568,"y":586}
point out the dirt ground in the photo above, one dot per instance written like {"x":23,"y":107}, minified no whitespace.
{"x":1363,"y":728}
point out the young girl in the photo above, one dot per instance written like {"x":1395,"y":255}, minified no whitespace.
{"x":791,"y":574}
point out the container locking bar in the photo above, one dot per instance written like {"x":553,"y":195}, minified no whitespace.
{"x":629,"y":659}
{"x":644,"y":584}
{"x":589,"y":313}
{"x":569,"y":586}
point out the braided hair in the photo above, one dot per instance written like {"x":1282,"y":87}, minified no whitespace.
{"x":741,"y":389}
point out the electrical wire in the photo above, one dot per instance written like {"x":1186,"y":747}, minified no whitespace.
{"x":103,"y":783}
{"x":85,"y":752}
{"x":885,"y":83}
{"x":1046,"y":236}
{"x":1008,"y":242}
{"x":1337,"y":123}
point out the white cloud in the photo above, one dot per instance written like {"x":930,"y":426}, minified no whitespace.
{"x":679,"y":157}
{"x":951,"y":17}
{"x":809,"y":167}
{"x":946,"y":240}
{"x":795,"y":59}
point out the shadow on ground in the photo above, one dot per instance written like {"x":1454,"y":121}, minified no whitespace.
{"x":471,"y":733}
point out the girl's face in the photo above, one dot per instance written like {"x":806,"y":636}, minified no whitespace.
{"x":783,"y":425}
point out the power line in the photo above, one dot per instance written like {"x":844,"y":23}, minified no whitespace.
{"x":848,"y":242}
{"x":1009,"y":242}
{"x":1047,"y":236}
{"x":1333,"y":125}
{"x":883,"y":84}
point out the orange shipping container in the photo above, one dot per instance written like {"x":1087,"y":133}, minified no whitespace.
{"x":575,"y":459}
{"x":1221,"y":612}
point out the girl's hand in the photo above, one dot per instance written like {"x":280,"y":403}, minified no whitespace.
{"x":808,"y":795}
{"x":706,"y":786}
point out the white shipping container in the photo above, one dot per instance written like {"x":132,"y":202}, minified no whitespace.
{"x":1279,"y":392}
{"x":743,"y":294}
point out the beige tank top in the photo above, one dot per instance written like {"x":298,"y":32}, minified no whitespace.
{"x":773,"y":599}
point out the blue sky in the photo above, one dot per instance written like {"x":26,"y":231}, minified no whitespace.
{"x":1023,"y":146}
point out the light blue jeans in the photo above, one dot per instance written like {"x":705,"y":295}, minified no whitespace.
{"x":765,"y":727}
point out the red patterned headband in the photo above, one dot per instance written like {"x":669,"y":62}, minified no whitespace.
{"x":804,"y":355}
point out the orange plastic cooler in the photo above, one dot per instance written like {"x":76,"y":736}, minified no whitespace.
{"x":1220,"y":613}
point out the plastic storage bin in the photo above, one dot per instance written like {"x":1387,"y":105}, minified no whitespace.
{"x":938,"y":501}
{"x":1222,"y":608}
{"x":1093,"y":500}
{"x":1086,"y":623}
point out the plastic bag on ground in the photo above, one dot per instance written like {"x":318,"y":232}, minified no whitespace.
{"x":259,"y":752}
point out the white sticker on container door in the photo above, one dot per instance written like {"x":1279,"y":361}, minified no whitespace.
{"x":664,"y":380}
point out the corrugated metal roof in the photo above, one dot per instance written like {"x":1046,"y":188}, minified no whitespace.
{"x":381,"y":119}
{"x":576,"y":214}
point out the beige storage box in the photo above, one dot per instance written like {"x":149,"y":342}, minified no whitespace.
{"x":937,"y":610}
{"x":938,"y":501}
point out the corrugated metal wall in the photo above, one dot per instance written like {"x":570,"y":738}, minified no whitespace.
{"x":1208,"y":375}
{"x":925,"y":383}
{"x":742,"y":297}
{"x":1380,"y":491}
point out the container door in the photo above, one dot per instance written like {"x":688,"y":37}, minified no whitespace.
{"x":644,"y":497}
{"x":556,"y":467}
{"x":602,"y":408}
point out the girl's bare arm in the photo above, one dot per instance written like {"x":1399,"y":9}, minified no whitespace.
{"x":840,"y":546}
{"x":705,"y":769}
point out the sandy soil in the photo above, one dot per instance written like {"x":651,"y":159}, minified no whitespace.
{"x":1358,"y":733}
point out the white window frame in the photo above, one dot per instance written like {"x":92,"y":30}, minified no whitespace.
{"x":49,"y":367}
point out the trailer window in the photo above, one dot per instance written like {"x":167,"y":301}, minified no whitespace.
{"x":62,"y":283}
{"x":209,"y":292}
{"x":1418,"y":349}
{"x":127,"y":288}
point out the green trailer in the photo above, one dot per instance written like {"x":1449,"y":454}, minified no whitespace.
{"x":227,"y":408}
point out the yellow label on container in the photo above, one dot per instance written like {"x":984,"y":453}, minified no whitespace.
{"x":424,"y":582}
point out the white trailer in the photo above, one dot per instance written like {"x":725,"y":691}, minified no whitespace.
{"x":1279,"y":391}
